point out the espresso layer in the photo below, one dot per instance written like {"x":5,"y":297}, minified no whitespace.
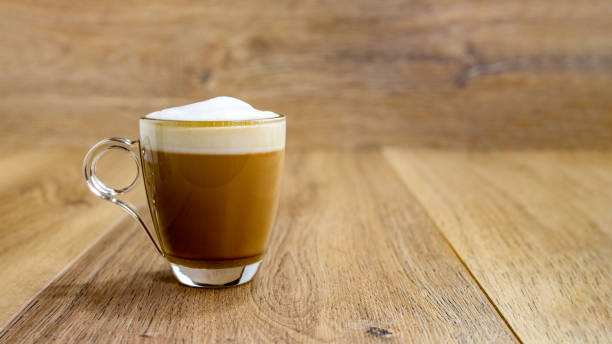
{"x":213,"y":210}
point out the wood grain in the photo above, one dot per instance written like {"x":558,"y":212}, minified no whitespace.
{"x":534,"y":228}
{"x":340,"y":268}
{"x":349,"y":74}
{"x":48,"y":218}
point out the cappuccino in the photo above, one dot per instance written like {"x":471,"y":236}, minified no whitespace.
{"x":212,"y":174}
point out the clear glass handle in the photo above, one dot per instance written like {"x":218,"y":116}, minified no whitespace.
{"x":110,"y":194}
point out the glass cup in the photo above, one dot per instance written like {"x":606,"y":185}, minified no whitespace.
{"x":212,"y":190}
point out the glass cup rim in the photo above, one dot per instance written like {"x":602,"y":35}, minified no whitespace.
{"x":224,"y":123}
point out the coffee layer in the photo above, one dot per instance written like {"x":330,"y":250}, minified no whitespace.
{"x":206,"y":139}
{"x":213,"y":210}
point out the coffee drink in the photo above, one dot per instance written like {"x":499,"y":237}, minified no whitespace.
{"x":212,"y":173}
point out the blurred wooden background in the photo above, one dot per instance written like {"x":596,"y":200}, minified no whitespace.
{"x":352,"y":76}
{"x":458,"y":74}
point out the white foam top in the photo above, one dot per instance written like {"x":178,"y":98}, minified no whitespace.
{"x":215,"y":109}
{"x":213,"y":138}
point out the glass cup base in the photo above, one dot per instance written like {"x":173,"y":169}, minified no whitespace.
{"x":214,"y":278}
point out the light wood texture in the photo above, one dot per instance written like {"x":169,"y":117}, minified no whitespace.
{"x":352,"y":76}
{"x":470,"y":73}
{"x":340,"y":268}
{"x":534,"y":228}
{"x":48,"y":216}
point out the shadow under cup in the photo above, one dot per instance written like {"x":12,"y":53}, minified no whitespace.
{"x":213,"y":189}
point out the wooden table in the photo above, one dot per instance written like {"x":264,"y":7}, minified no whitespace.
{"x":448,"y":177}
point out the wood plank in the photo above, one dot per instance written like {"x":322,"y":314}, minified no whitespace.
{"x":534,"y":228}
{"x":353,"y":257}
{"x":48,"y":217}
{"x":347,"y":73}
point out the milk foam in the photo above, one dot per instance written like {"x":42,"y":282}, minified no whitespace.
{"x":215,"y":109}
{"x":220,"y":136}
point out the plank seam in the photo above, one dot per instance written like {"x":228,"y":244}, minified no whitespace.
{"x":501,"y":315}
{"x":478,"y":283}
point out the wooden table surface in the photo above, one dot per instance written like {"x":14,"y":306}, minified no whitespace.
{"x":448,"y":176}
